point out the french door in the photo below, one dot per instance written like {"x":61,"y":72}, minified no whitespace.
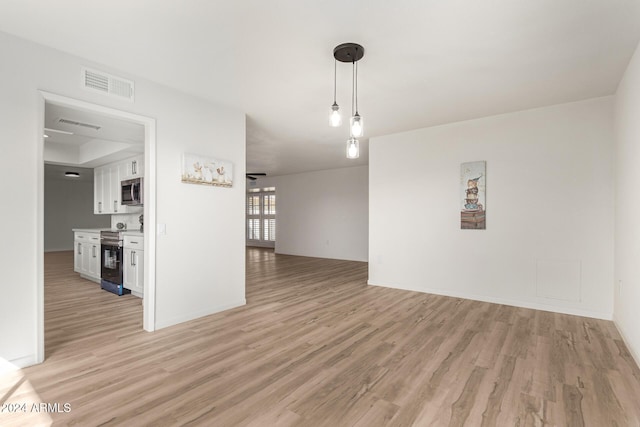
{"x":261,"y":217}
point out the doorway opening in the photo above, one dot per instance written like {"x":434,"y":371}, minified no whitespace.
{"x":69,"y":149}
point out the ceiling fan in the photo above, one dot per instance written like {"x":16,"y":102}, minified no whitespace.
{"x":252,"y":176}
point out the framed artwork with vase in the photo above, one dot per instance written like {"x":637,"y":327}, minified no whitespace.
{"x":473,"y":200}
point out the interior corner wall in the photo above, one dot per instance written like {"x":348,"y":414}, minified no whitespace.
{"x":627,"y":206}
{"x":68,"y":204}
{"x":322,"y":214}
{"x":548,"y":242}
{"x":199,"y":262}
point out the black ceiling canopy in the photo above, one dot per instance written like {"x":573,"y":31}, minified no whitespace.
{"x":348,"y":52}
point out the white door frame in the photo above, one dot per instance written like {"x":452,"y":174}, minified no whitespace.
{"x":149,"y":300}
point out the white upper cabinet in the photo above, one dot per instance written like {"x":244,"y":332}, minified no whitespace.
{"x":98,"y":191}
{"x":106,"y":194}
{"x":117,"y":174}
{"x":106,"y":184}
{"x":134,"y":167}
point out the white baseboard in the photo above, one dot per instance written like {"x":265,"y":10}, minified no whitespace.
{"x":504,"y":301}
{"x":195,"y":315}
{"x":24,"y":361}
{"x":91,"y":279}
{"x":632,"y":351}
{"x":321,"y":256}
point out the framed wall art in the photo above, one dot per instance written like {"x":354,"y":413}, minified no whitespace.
{"x":197,"y":169}
{"x":473,"y":189}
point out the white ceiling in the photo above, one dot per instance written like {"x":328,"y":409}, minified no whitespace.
{"x":427,"y":62}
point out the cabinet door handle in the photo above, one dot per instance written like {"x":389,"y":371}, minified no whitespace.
{"x":134,"y":166}
{"x":115,"y":206}
{"x":93,"y":251}
{"x":133,"y":262}
{"x":99,"y":207}
{"x":79,"y":248}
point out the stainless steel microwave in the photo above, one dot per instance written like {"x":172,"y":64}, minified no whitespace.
{"x":132,"y":192}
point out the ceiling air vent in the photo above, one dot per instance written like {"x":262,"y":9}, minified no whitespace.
{"x":108,"y":84}
{"x":76,"y":123}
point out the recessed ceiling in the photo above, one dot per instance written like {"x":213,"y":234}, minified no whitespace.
{"x":427,"y":62}
{"x":76,"y":137}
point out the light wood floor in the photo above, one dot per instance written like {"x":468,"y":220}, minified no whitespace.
{"x":316,"y":346}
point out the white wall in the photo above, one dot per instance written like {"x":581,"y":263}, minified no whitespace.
{"x":627,"y":206}
{"x":68,"y":204}
{"x":549,"y":209}
{"x":322,"y":214}
{"x":200,"y":261}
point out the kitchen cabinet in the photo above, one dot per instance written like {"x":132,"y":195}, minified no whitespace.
{"x":106,"y":194}
{"x":133,"y":264}
{"x":106,"y":185}
{"x":77,"y":255}
{"x":86,"y":259}
{"x":98,"y":190}
{"x":117,"y":173}
{"x":134,"y":167}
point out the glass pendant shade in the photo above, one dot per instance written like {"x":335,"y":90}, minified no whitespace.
{"x":353,"y":148}
{"x":356,"y":126}
{"x":335,"y":119}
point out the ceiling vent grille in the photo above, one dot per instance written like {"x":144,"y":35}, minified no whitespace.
{"x":98,"y":81}
{"x":75,"y":123}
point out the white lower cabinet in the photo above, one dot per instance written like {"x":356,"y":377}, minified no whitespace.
{"x":133,"y":264}
{"x":86,"y":259}
{"x":77,"y":254}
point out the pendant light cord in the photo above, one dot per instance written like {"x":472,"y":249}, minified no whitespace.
{"x":353,"y":85}
{"x":356,"y":86}
{"x":335,"y":76}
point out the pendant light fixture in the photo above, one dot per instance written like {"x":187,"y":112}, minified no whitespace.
{"x":335,"y":119}
{"x":349,"y":52}
{"x":353,"y":148}
{"x":355,"y":123}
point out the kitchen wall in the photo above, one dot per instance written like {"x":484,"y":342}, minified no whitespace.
{"x":322,"y":214}
{"x":68,"y":204}
{"x":548,"y":242}
{"x":199,"y":261}
{"x":627,"y":206}
{"x":131,"y":221}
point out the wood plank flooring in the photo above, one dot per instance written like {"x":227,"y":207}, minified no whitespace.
{"x":316,"y":346}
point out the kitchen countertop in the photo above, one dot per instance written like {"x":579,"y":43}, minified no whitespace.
{"x":130,"y":232}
